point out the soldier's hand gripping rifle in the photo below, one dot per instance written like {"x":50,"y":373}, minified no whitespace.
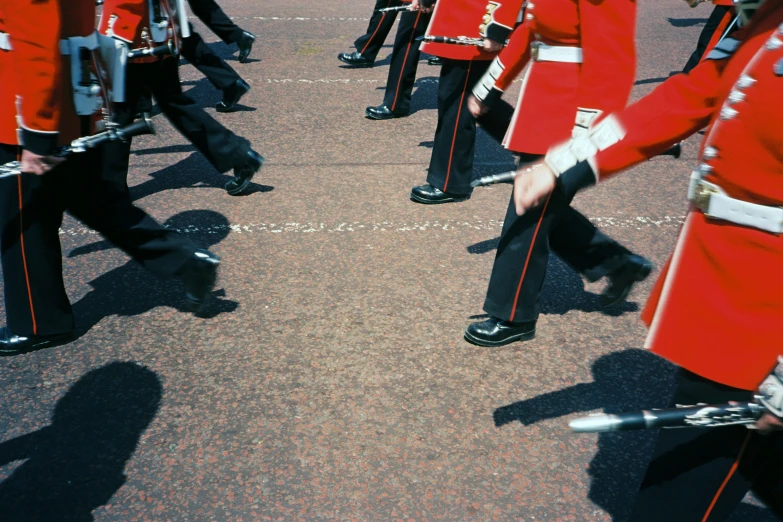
{"x":137,"y":128}
{"x":768,"y":400}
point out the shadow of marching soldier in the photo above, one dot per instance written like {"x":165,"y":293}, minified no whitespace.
{"x":117,"y":292}
{"x":77,"y":463}
{"x":629,"y":380}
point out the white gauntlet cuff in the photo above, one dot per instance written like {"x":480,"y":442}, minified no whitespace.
{"x":487,"y":82}
{"x":584,"y":147}
{"x":771,"y":390}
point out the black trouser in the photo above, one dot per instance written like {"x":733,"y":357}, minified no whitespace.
{"x":220,"y":146}
{"x":523,"y":255}
{"x":31,"y":212}
{"x":198,"y":53}
{"x":370,"y":43}
{"x":451,"y":164}
{"x":405,"y":61}
{"x":703,"y":474}
{"x":718,"y":14}
{"x":213,"y":17}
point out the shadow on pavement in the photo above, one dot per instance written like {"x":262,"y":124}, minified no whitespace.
{"x":130,"y":290}
{"x":630,"y":380}
{"x":564,"y":289}
{"x":77,"y":463}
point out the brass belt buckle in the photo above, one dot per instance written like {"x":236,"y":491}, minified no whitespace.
{"x":701,"y":197}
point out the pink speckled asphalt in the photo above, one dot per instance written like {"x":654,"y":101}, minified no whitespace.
{"x":330,"y":380}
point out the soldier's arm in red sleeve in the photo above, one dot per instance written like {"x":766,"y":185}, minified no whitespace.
{"x":607,"y":73}
{"x":505,"y":67}
{"x":34,"y":29}
{"x":678,"y":108}
{"x":500,"y":19}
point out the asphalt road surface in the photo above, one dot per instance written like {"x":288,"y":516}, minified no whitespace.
{"x":329,"y":379}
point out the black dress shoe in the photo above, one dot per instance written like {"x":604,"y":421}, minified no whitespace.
{"x":355,"y":59}
{"x":13,"y":344}
{"x":434,"y":60}
{"x":496,"y":332}
{"x":245,"y":44}
{"x":382,"y":112}
{"x":674,"y":151}
{"x":199,"y":276}
{"x":634,"y":269}
{"x":231,"y":96}
{"x":430,"y":195}
{"x":244,"y":173}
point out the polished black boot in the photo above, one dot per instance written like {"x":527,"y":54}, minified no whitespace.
{"x":496,"y":332}
{"x":199,"y":276}
{"x":355,"y":59}
{"x":382,"y":112}
{"x":434,"y":60}
{"x":11,"y":344}
{"x":245,"y":44}
{"x":632,"y":270}
{"x":231,"y":96}
{"x":243,"y":173}
{"x":430,"y":195}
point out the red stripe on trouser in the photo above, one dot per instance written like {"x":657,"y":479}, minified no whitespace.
{"x":527,"y":260}
{"x":726,"y":480}
{"x":380,"y":22}
{"x":404,"y":61}
{"x":24,"y":257}
{"x":456,"y":128}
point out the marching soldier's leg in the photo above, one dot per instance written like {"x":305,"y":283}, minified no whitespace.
{"x":369,"y":44}
{"x":224,"y":149}
{"x":700,"y":475}
{"x":38,"y":311}
{"x":216,"y":70}
{"x":595,"y":255}
{"x":402,"y":71}
{"x":517,"y":275}
{"x":496,"y":121}
{"x":213,"y":17}
{"x":451,"y":164}
{"x":160,"y":250}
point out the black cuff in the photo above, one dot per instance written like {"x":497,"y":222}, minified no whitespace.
{"x":492,"y":97}
{"x":427,"y":3}
{"x":497,"y":33}
{"x":576,"y":178}
{"x":41,"y":143}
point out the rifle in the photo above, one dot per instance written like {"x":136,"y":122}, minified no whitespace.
{"x":699,"y":416}
{"x":137,"y":128}
{"x":459,"y":40}
{"x":394,"y":9}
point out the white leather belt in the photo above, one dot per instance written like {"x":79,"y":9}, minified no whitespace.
{"x":70,"y":45}
{"x":550,"y":53}
{"x":714,"y":203}
{"x":5,"y":41}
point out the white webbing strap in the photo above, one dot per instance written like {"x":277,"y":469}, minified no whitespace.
{"x":714,"y":203}
{"x":5,"y":41}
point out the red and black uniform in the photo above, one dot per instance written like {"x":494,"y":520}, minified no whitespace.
{"x":369,"y":44}
{"x":451,"y":164}
{"x":405,"y":61}
{"x":719,"y":23}
{"x":581,"y":57}
{"x":31,"y":207}
{"x":128,"y":21}
{"x":715,"y":310}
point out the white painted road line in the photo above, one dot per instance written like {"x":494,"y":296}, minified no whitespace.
{"x":636,"y":222}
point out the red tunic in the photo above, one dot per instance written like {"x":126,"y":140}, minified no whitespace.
{"x":7,"y":95}
{"x":552,"y":91}
{"x":42,"y":77}
{"x":717,"y":307}
{"x":129,"y":21}
{"x":454,"y":18}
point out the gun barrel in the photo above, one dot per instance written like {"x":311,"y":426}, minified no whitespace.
{"x":702,"y":416}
